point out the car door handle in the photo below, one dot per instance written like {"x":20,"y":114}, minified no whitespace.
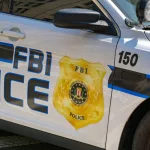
{"x":12,"y":34}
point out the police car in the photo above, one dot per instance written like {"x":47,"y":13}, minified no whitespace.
{"x":76,"y":73}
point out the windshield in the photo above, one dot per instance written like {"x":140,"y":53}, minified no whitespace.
{"x":128,"y":7}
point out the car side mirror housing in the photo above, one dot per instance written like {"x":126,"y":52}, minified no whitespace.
{"x":75,"y":18}
{"x":143,"y":11}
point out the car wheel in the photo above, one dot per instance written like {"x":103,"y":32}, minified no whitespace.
{"x":141,"y":139}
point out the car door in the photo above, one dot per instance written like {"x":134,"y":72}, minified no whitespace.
{"x":53,"y":79}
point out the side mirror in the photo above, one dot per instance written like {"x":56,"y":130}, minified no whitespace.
{"x":143,"y":11}
{"x":75,"y":18}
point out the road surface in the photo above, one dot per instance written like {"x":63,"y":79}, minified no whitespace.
{"x":9,"y":141}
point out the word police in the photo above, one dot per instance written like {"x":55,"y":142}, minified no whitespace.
{"x":37,"y":63}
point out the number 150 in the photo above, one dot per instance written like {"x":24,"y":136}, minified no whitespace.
{"x":127,"y":57}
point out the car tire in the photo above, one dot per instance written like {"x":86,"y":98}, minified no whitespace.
{"x":141,"y":140}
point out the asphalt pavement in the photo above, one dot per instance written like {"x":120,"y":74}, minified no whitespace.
{"x":10,"y":141}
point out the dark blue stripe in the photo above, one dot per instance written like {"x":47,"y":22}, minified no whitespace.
{"x":127,"y":91}
{"x":6,"y":44}
{"x":6,"y":60}
{"x":147,"y":76}
{"x":111,"y":67}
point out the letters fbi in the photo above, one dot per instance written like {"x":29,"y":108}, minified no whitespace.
{"x":35,"y":60}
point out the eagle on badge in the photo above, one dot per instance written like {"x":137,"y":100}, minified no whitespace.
{"x":78,"y":94}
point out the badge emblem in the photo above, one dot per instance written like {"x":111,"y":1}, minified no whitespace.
{"x":78,"y":94}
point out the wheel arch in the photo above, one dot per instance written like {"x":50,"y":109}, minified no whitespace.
{"x":131,"y":125}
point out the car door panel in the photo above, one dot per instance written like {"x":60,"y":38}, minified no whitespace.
{"x":59,"y":48}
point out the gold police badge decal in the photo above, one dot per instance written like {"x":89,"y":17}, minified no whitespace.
{"x":78,"y":94}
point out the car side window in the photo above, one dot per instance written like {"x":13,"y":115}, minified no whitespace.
{"x":45,"y":9}
{"x":5,"y":6}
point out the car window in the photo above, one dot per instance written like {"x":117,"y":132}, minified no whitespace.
{"x":45,"y":9}
{"x":128,"y":7}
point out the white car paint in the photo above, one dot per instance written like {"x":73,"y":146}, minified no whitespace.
{"x":75,"y":44}
{"x":123,"y":105}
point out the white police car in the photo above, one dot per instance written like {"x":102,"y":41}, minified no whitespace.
{"x":76,"y":73}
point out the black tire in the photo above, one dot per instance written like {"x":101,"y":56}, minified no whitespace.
{"x":141,"y":139}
